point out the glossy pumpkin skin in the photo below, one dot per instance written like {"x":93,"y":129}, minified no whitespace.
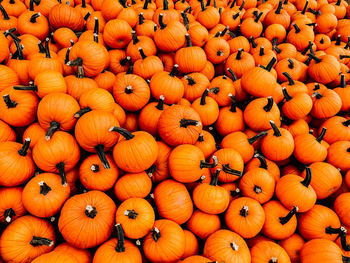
{"x":203,"y":224}
{"x":320,"y":250}
{"x":133,"y":185}
{"x":11,"y":205}
{"x":55,"y":256}
{"x":82,"y":256}
{"x":292,"y":245}
{"x":267,"y":250}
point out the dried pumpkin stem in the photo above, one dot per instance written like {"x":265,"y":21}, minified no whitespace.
{"x":232,"y":74}
{"x":184,"y":123}
{"x":252,"y":41}
{"x":23,"y":151}
{"x":135,"y":39}
{"x":90,"y":211}
{"x":233,"y":107}
{"x":145,"y":5}
{"x":185,"y":20}
{"x":262,"y":160}
{"x":66,"y":59}
{"x":190,"y":80}
{"x":257,"y":17}
{"x":244,"y":211}
{"x":296,"y":27}
{"x":203,"y":97}
{"x":235,"y":16}
{"x":160,"y":21}
{"x":235,"y":192}
{"x":285,"y":220}
{"x":317,"y":95}
{"x":76,"y":62}
{"x":44,"y":188}
{"x":233,"y":3}
{"x":269,"y":104}
{"x":261,"y":52}
{"x":323,"y":133}
{"x":286,"y":94}
{"x":342,"y":81}
{"x":201,"y":137}
{"x":307,"y":180}
{"x":305,"y":7}
{"x":41,"y":241}
{"x":276,"y":131}
{"x":239,"y":54}
{"x":120,"y":244}
{"x":279,"y":7}
{"x":257,"y":137}
{"x":188,"y":40}
{"x":344,"y":56}
{"x":9,"y":103}
{"x":277,"y":49}
{"x":95,"y":168}
{"x":271,"y":63}
{"x":150,"y":171}
{"x":34,"y":17}
{"x":125,"y":133}
{"x":257,"y":189}
{"x":54,"y":126}
{"x":62,"y":173}
{"x":155,"y":234}
{"x":346,"y":123}
{"x":273,"y":260}
{"x":132,"y":214}
{"x":101,"y":154}
{"x":215,"y":177}
{"x":81,"y":112}
{"x":19,"y":50}
{"x":165,"y":5}
{"x":173,"y":70}
{"x":4,"y":13}
{"x":204,"y":164}
{"x":234,"y":246}
{"x":289,"y":78}
{"x":343,"y":242}
{"x":160,"y":105}
{"x":312,"y":56}
{"x":125,"y":60}
{"x":227,"y":169}
{"x":143,"y":55}
{"x":9,"y":214}
{"x":141,"y":18}
{"x":331,"y":230}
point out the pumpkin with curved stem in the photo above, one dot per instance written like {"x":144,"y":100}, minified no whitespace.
{"x":147,"y":66}
{"x":19,"y":64}
{"x":145,"y":43}
{"x":44,"y":195}
{"x":93,"y":176}
{"x":11,"y":206}
{"x":319,"y":222}
{"x":136,"y":216}
{"x":36,"y":237}
{"x":194,"y":85}
{"x":118,"y":61}
{"x":259,"y":161}
{"x":296,"y":106}
{"x":78,"y":84}
{"x":245,"y":216}
{"x":300,"y":37}
{"x":173,"y":201}
{"x":16,"y":164}
{"x":294,"y":190}
{"x":186,"y":163}
{"x":207,"y":108}
{"x":252,"y":27}
{"x":220,"y":89}
{"x":165,"y":236}
{"x":225,"y":245}
{"x":280,"y":222}
{"x":133,"y":185}
{"x":337,"y":129}
{"x":324,"y":69}
{"x":35,"y":132}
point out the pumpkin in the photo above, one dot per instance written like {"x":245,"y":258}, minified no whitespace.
{"x":55,"y":256}
{"x":292,"y":245}
{"x":11,"y":206}
{"x":133,"y":185}
{"x":82,"y":256}
{"x":231,"y":164}
{"x":78,"y":84}
{"x":259,"y":161}
{"x":159,"y":171}
{"x":267,"y":250}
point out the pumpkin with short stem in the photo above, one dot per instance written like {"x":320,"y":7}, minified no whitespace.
{"x":133,"y":185}
{"x":159,"y":171}
{"x":300,"y":37}
{"x":93,"y":135}
{"x":252,"y":27}
{"x":206,"y":143}
{"x":94,"y":176}
{"x":280,"y":140}
{"x":258,"y":184}
{"x":58,"y":155}
{"x":203,"y":224}
{"x":78,"y":84}
{"x":147,"y":66}
{"x":207,"y":108}
{"x":211,"y":198}
{"x":326,"y":179}
{"x":145,"y":43}
{"x":35,"y":132}
{"x":136,"y":216}
{"x":337,"y":129}
{"x":259,"y":112}
{"x":240,"y":142}
{"x":217,"y":50}
{"x":326,"y":103}
{"x":323,"y":69}
{"x":165,"y":242}
{"x":139,"y":144}
{"x":259,"y":161}
{"x":267,"y":250}
{"x":179,"y":125}
{"x":240,"y":62}
{"x":280,"y":222}
{"x":293,"y":190}
{"x":36,"y":237}
{"x":225,"y":245}
{"x":16,"y":164}
{"x":245,"y":216}
{"x":44,"y":195}
{"x":208,"y":16}
{"x":118,"y":248}
{"x":173,"y":201}
{"x":11,"y":206}
{"x":93,"y":208}
{"x":194,"y":85}
{"x":296,"y":106}
{"x":19,"y":64}
{"x":18,"y":108}
{"x":319,"y":222}
{"x":56,"y":112}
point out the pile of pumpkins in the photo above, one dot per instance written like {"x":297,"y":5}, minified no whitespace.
{"x":168,"y":131}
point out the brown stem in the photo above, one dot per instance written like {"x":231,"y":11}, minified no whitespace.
{"x":101,"y":154}
{"x":95,"y":168}
{"x":160,"y":105}
{"x":284,"y":220}
{"x":9,"y":103}
{"x":188,"y":40}
{"x":44,"y":188}
{"x":156,"y":234}
{"x":239,"y":54}
{"x":23,"y":151}
{"x":203,"y":97}
{"x":34,"y":17}
{"x":62,"y":173}
{"x":227,"y":169}
{"x":244,"y":211}
{"x":286,"y":95}
{"x":161,"y":23}
{"x":8,"y":215}
{"x":269,"y":104}
{"x":81,"y":112}
{"x":132,"y":214}
{"x":262,"y":160}
{"x":307,"y":180}
{"x":54,"y":126}
{"x":173,"y":70}
{"x":257,"y":137}
{"x":276,"y":131}
{"x":215,"y":177}
{"x":322,"y":134}
{"x":90,"y":211}
{"x":204,"y":164}
{"x":125,"y":133}
{"x":41,"y":241}
{"x":120,"y":233}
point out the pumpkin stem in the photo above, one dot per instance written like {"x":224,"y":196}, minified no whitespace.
{"x":44,"y":188}
{"x":345,"y":259}
{"x":155,"y":234}
{"x":297,"y":29}
{"x":88,"y":14}
{"x":316,"y":95}
{"x":9,"y":103}
{"x":271,"y":63}
{"x":252,"y":41}
{"x":220,"y":53}
{"x":32,"y":87}
{"x":234,"y":246}
{"x":223,"y":32}
{"x":54,"y":126}
{"x":143,"y":55}
{"x":19,"y":50}
{"x":263,"y":163}
{"x":285,"y":220}
{"x":23,"y":151}
{"x":95,"y":168}
{"x":9,"y":214}
{"x":141,"y":18}
{"x":40,"y":241}
{"x":203,"y":97}
{"x":188,"y":40}
{"x":165,"y":5}
{"x":120,"y":233}
{"x":257,"y":16}
{"x":135,"y":40}
{"x":62,"y":173}
{"x":239,"y":54}
{"x":342,"y":81}
{"x":4,"y":13}
{"x":269,"y":104}
{"x":34,"y":17}
{"x":346,"y":123}
{"x":90,"y":211}
{"x":235,"y":192}
{"x":124,"y":61}
{"x":261,"y":52}
{"x":286,"y":95}
{"x":76,"y":62}
{"x":12,"y":2}
{"x":233,"y":4}
{"x":257,"y":137}
{"x":81,"y":112}
{"x":226,"y":168}
{"x":83,"y":4}
{"x":46,"y":48}
{"x":232,"y":74}
{"x":128,"y":89}
{"x":312,"y":56}
{"x":96,"y":30}
{"x":123,"y":3}
{"x":160,"y":105}
{"x":215,"y":177}
{"x":130,"y":69}
{"x":66,"y":59}
{"x":244,"y":211}
{"x":257,"y":189}
{"x":273,"y":260}
{"x":347,"y":43}
{"x":150,"y":171}
{"x":235,"y":16}
{"x":338,"y":40}
{"x":161,"y":23}
{"x":10,"y":31}
{"x":145,"y":5}
{"x":204,"y":164}
{"x":242,"y":6}
{"x":188,"y":9}
{"x":185,"y":20}
{"x":305,"y":7}
{"x":201,"y":137}
{"x":101,"y":154}
{"x":184,"y":123}
{"x":323,"y":132}
{"x":132,"y":214}
{"x":307,"y":180}
{"x":173,"y":70}
{"x":125,"y":133}
{"x":190,"y":80}
{"x":279,"y":8}
{"x":331,"y":230}
{"x":276,"y":131}
{"x":344,"y":56}
{"x":290,"y":65}
{"x":233,"y":107}
{"x":344,"y":243}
